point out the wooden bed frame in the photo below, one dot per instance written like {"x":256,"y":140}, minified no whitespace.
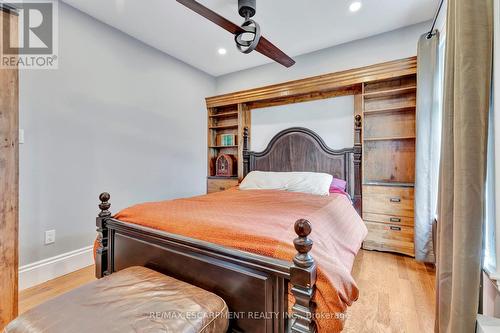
{"x":254,"y":287}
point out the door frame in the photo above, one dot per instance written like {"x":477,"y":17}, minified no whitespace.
{"x":9,"y":180}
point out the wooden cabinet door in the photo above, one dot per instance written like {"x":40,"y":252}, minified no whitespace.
{"x":9,"y":187}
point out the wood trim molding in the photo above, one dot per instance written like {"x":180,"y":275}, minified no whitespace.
{"x":317,"y":85}
{"x":9,"y":184}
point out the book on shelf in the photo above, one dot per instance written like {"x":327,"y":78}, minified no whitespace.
{"x":225,"y":140}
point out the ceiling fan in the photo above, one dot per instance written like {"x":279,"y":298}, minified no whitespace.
{"x":247,"y":36}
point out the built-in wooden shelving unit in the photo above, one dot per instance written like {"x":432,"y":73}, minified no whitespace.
{"x":228,"y":119}
{"x":384,"y":126}
{"x":389,"y":137}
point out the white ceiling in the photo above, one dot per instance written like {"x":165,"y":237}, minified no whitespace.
{"x":296,"y":26}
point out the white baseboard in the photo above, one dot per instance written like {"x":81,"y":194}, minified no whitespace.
{"x":47,"y":269}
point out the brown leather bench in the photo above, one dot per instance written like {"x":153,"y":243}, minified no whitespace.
{"x":136,"y":299}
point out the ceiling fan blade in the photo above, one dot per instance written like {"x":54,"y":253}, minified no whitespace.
{"x":211,"y":15}
{"x":264,"y":47}
{"x":270,"y":50}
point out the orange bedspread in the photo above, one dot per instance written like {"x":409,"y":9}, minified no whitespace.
{"x":262,"y":222}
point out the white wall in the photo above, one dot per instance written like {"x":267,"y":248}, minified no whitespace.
{"x":116,"y":116}
{"x":331,"y":118}
{"x":398,"y":44}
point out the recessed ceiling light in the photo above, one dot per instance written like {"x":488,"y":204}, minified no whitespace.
{"x":222,"y":51}
{"x":355,"y":6}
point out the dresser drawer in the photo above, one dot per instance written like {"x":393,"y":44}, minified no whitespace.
{"x":220,"y":184}
{"x":388,"y":200}
{"x":388,"y":219}
{"x":388,"y":237}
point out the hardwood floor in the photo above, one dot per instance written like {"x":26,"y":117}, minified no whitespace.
{"x":31,"y":297}
{"x":397,"y":294}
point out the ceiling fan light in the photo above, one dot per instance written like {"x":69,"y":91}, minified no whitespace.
{"x":250,"y":29}
{"x":355,"y":6}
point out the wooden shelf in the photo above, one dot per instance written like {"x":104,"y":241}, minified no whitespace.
{"x":220,"y":177}
{"x":390,"y":92}
{"x":220,"y":127}
{"x":395,"y":83}
{"x":221,"y":147}
{"x":390,"y":138}
{"x":390,"y":184}
{"x":224,"y":114}
{"x":402,"y":108}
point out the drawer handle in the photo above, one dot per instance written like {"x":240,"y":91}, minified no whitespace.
{"x":395,"y":199}
{"x":396,"y":228}
{"x":395,"y":219}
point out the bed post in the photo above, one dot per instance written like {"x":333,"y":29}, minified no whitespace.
{"x":357,"y":179}
{"x":303,"y":280}
{"x":101,"y":252}
{"x":246,"y":155}
{"x":358,"y":123}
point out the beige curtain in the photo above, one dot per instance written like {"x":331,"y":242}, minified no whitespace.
{"x":463,"y":163}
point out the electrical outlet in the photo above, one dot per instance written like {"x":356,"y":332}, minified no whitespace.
{"x":50,"y":237}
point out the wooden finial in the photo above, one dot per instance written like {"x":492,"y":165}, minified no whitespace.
{"x":303,"y":244}
{"x":104,"y":205}
{"x":357,"y":120}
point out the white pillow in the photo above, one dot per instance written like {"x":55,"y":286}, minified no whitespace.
{"x":305,"y":182}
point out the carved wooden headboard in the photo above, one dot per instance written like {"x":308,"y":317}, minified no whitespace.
{"x":300,"y":149}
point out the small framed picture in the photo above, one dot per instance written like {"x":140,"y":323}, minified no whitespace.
{"x":226,"y":140}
